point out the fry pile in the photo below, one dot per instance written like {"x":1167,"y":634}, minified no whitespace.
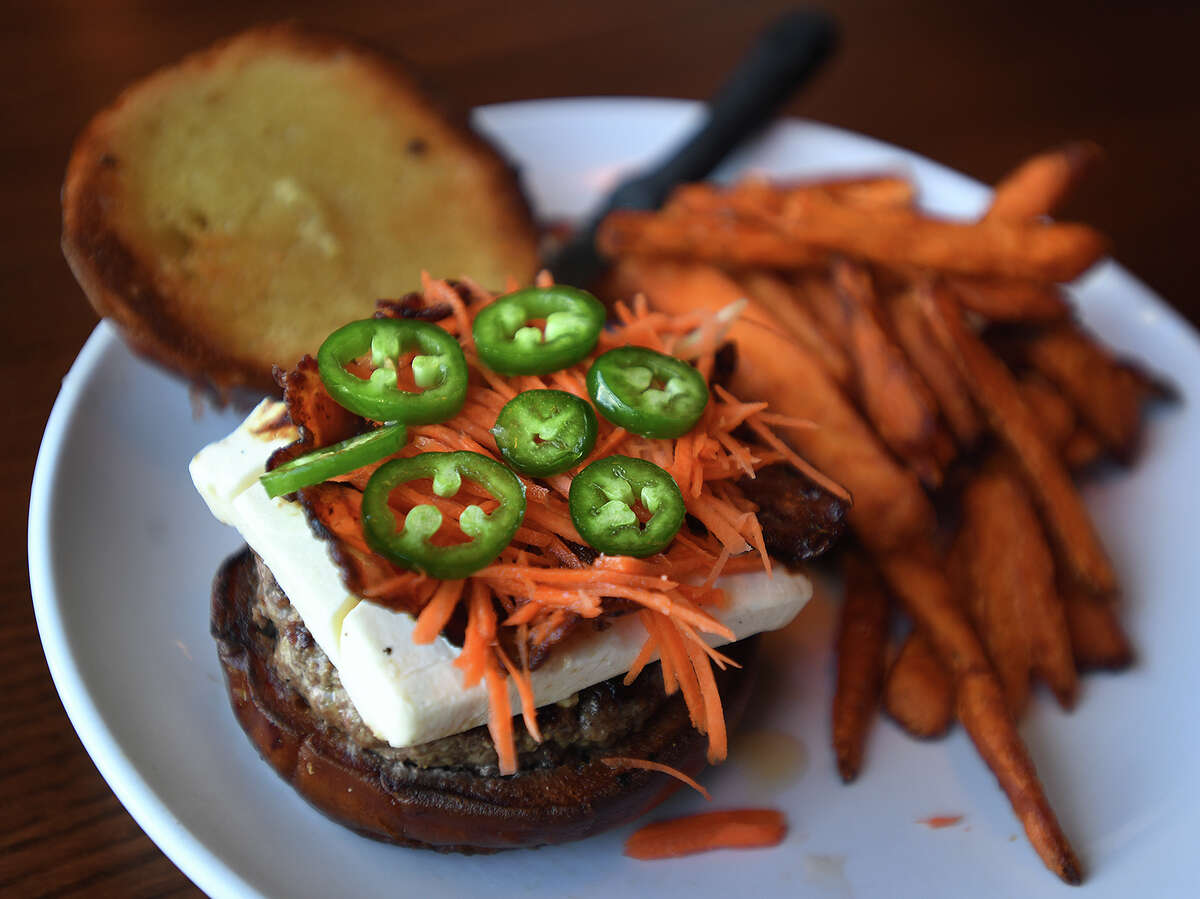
{"x":957,"y":399}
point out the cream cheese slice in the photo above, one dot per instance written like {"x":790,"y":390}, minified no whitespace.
{"x":408,"y":693}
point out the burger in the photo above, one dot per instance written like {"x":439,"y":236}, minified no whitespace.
{"x":505,"y":564}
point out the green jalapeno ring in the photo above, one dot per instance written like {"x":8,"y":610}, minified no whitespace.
{"x":545,"y":432}
{"x":439,"y":368}
{"x":320,"y":465}
{"x":409,"y":546}
{"x":508,"y":344}
{"x":647,"y":392}
{"x":601,"y":502}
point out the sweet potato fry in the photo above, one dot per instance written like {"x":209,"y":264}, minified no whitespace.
{"x":778,"y":299}
{"x":861,"y":641}
{"x":722,"y":240}
{"x":1021,"y":566}
{"x":896,"y":401}
{"x":979,"y":702}
{"x":1082,"y":449}
{"x":1097,"y":638}
{"x":1034,"y":189}
{"x":873,"y":192}
{"x":932,"y":363}
{"x":1030,"y":250}
{"x":889,"y":506}
{"x":815,"y":291}
{"x":943,"y":451}
{"x":1003,"y":300}
{"x":1049,"y":408}
{"x":992,"y":584}
{"x":1039,"y":184}
{"x":1107,"y":395}
{"x":917,"y":692}
{"x":1075,"y":442}
{"x":749,"y":194}
{"x":996,"y":392}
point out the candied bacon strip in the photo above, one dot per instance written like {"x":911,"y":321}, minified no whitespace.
{"x":320,"y":419}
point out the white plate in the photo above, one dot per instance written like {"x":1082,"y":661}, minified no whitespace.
{"x":122,"y":552}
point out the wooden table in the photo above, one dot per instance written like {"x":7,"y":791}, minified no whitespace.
{"x":977,"y":86}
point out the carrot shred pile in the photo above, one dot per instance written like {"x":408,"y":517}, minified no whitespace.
{"x":751,"y":828}
{"x":539,"y":588}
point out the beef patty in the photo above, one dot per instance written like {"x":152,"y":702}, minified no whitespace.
{"x":591,"y":720}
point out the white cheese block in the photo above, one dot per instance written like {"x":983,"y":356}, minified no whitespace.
{"x":226,"y":468}
{"x":408,"y":693}
{"x":278,"y":531}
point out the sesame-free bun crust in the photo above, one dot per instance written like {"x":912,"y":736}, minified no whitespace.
{"x":230,"y":211}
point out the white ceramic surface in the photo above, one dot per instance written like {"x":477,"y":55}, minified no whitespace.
{"x":122,"y":552}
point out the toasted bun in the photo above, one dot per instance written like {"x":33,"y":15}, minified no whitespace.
{"x":230,"y":211}
{"x":448,"y":809}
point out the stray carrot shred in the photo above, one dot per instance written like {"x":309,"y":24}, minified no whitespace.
{"x":539,"y":576}
{"x":646,"y":764}
{"x":735,"y":829}
{"x":937,"y":822}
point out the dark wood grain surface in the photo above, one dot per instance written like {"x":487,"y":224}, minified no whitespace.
{"x":975,"y":85}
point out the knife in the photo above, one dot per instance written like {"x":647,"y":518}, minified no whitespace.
{"x":785,"y":55}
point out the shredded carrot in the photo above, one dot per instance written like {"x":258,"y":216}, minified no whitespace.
{"x":645,"y":654}
{"x":735,"y":829}
{"x":481,"y":631}
{"x":500,"y":719}
{"x":539,"y":582}
{"x":799,"y":463}
{"x":435,"y":615}
{"x":520,"y":677}
{"x":404,"y":581}
{"x":685,"y":674}
{"x":646,"y":764}
{"x":718,"y":567}
{"x":719,"y":659}
{"x":611,"y":442}
{"x":714,"y":716}
{"x":666,"y":660}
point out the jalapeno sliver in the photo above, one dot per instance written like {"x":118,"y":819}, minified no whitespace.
{"x":438,"y":369}
{"x":509,"y":342}
{"x":646,"y":392}
{"x":411,"y":545}
{"x":545,"y":432}
{"x":604,"y":498}
{"x":330,"y":461}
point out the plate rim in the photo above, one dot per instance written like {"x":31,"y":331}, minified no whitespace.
{"x":185,"y":850}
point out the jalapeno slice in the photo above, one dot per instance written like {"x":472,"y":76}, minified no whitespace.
{"x":646,"y":392}
{"x":438,"y":368}
{"x":603,"y":502}
{"x":545,"y":432}
{"x":508,"y":343}
{"x":410,"y":545}
{"x":330,"y":461}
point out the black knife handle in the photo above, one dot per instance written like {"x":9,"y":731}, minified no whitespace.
{"x":786,"y":54}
